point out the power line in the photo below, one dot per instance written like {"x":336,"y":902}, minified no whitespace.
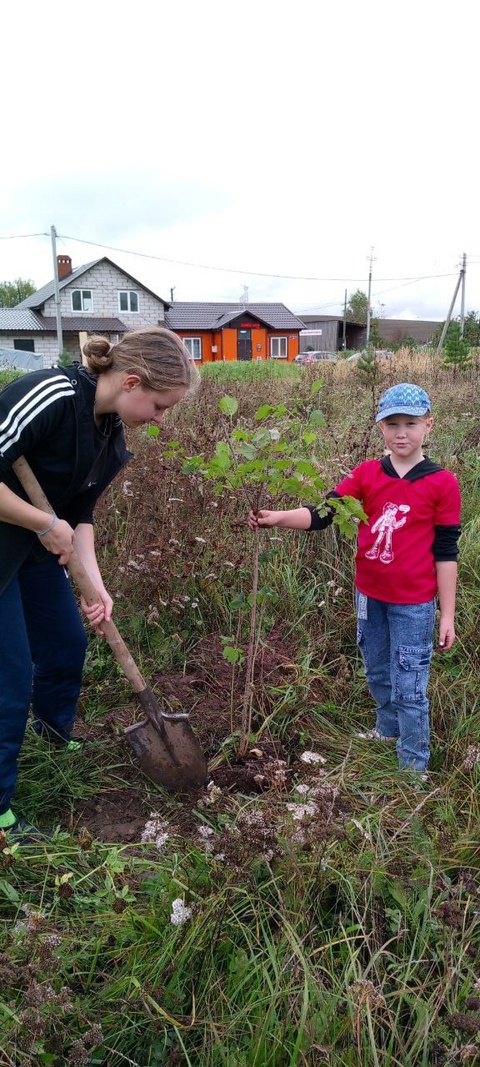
{"x":406,"y":279}
{"x":19,"y":236}
{"x":235,"y":270}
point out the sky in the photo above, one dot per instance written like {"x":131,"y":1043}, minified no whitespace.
{"x":246,"y":151}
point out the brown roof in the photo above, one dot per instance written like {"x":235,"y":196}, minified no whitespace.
{"x":79,"y":323}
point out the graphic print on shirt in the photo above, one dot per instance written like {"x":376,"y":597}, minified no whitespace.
{"x":384,"y":528}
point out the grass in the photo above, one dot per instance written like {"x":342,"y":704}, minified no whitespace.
{"x":335,"y":916}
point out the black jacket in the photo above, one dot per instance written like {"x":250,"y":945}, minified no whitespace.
{"x":48,"y":417}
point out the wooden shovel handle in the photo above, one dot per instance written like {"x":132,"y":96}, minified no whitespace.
{"x":82,"y":579}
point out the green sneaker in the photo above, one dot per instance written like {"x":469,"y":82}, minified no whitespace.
{"x":17,"y":830}
{"x":74,"y":745}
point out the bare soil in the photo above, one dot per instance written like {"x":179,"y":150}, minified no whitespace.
{"x":206,"y":693}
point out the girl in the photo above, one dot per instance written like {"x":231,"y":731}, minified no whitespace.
{"x":68,"y":423}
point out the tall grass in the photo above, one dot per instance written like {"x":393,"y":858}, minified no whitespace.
{"x":334,"y":916}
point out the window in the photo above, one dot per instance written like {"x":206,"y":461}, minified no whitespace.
{"x":128,"y":300}
{"x":278,"y":348}
{"x":194,"y":346}
{"x":82,"y":300}
{"x":24,"y":344}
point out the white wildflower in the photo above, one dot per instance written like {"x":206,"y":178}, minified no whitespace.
{"x":180,"y":912}
{"x":302,"y":788}
{"x":220,"y":856}
{"x":126,"y":489}
{"x":299,"y":811}
{"x":155,"y":831}
{"x":173,"y":541}
{"x":205,"y":831}
{"x":212,"y":794}
{"x":274,"y":434}
{"x":312,"y":757}
{"x":471,"y":758}
{"x":200,"y":541}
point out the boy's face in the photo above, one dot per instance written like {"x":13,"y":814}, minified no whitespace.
{"x":404,"y":434}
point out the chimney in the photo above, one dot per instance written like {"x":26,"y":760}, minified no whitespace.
{"x":64,"y":267}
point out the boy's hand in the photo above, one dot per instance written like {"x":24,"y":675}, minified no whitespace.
{"x":262,"y":518}
{"x":446,"y":636}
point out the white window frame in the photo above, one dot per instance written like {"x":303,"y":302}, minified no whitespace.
{"x":275,"y":344}
{"x":83,"y":310}
{"x":191,"y":343}
{"x":128,"y":293}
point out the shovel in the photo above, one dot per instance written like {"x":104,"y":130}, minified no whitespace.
{"x":165,"y":745}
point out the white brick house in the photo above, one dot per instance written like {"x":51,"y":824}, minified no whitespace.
{"x":97,"y":298}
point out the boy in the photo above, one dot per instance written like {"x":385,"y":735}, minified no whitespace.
{"x":406,"y":555}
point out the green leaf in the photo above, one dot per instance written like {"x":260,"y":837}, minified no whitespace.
{"x":247,"y":450}
{"x":317,"y":386}
{"x":317,"y":418}
{"x":153,"y":431}
{"x":263,"y":412}
{"x":228,"y":405}
{"x":233,"y":655}
{"x":304,"y":467}
{"x":9,"y":891}
{"x":309,"y":438}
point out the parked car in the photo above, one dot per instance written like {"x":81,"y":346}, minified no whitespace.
{"x":381,"y":353}
{"x":312,"y":357}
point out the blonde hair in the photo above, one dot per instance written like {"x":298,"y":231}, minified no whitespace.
{"x":157,"y":355}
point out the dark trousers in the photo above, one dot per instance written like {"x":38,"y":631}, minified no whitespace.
{"x":42,"y":652}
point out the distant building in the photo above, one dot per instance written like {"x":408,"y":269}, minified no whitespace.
{"x":325,"y":332}
{"x":394,"y":331}
{"x":98,"y":297}
{"x":216,"y":332}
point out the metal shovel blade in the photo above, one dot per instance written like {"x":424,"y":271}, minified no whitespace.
{"x":168,"y":752}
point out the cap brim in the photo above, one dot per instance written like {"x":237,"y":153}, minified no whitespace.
{"x":402,"y":411}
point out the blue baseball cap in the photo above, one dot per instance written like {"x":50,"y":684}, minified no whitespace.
{"x":404,"y":399}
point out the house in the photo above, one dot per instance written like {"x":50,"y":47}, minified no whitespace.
{"x":325,"y":333}
{"x":226,"y":332}
{"x":98,"y":297}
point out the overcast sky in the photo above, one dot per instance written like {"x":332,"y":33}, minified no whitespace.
{"x":259,"y":139}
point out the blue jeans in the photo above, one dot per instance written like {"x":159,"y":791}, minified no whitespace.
{"x":396,"y":643}
{"x":42,"y":652}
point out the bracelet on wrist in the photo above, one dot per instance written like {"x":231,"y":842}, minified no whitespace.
{"x":50,"y":527}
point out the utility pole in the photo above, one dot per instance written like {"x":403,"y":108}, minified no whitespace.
{"x":462,"y":298}
{"x":367,"y":339}
{"x":344,"y":332}
{"x":446,"y":324}
{"x":58,"y":310}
